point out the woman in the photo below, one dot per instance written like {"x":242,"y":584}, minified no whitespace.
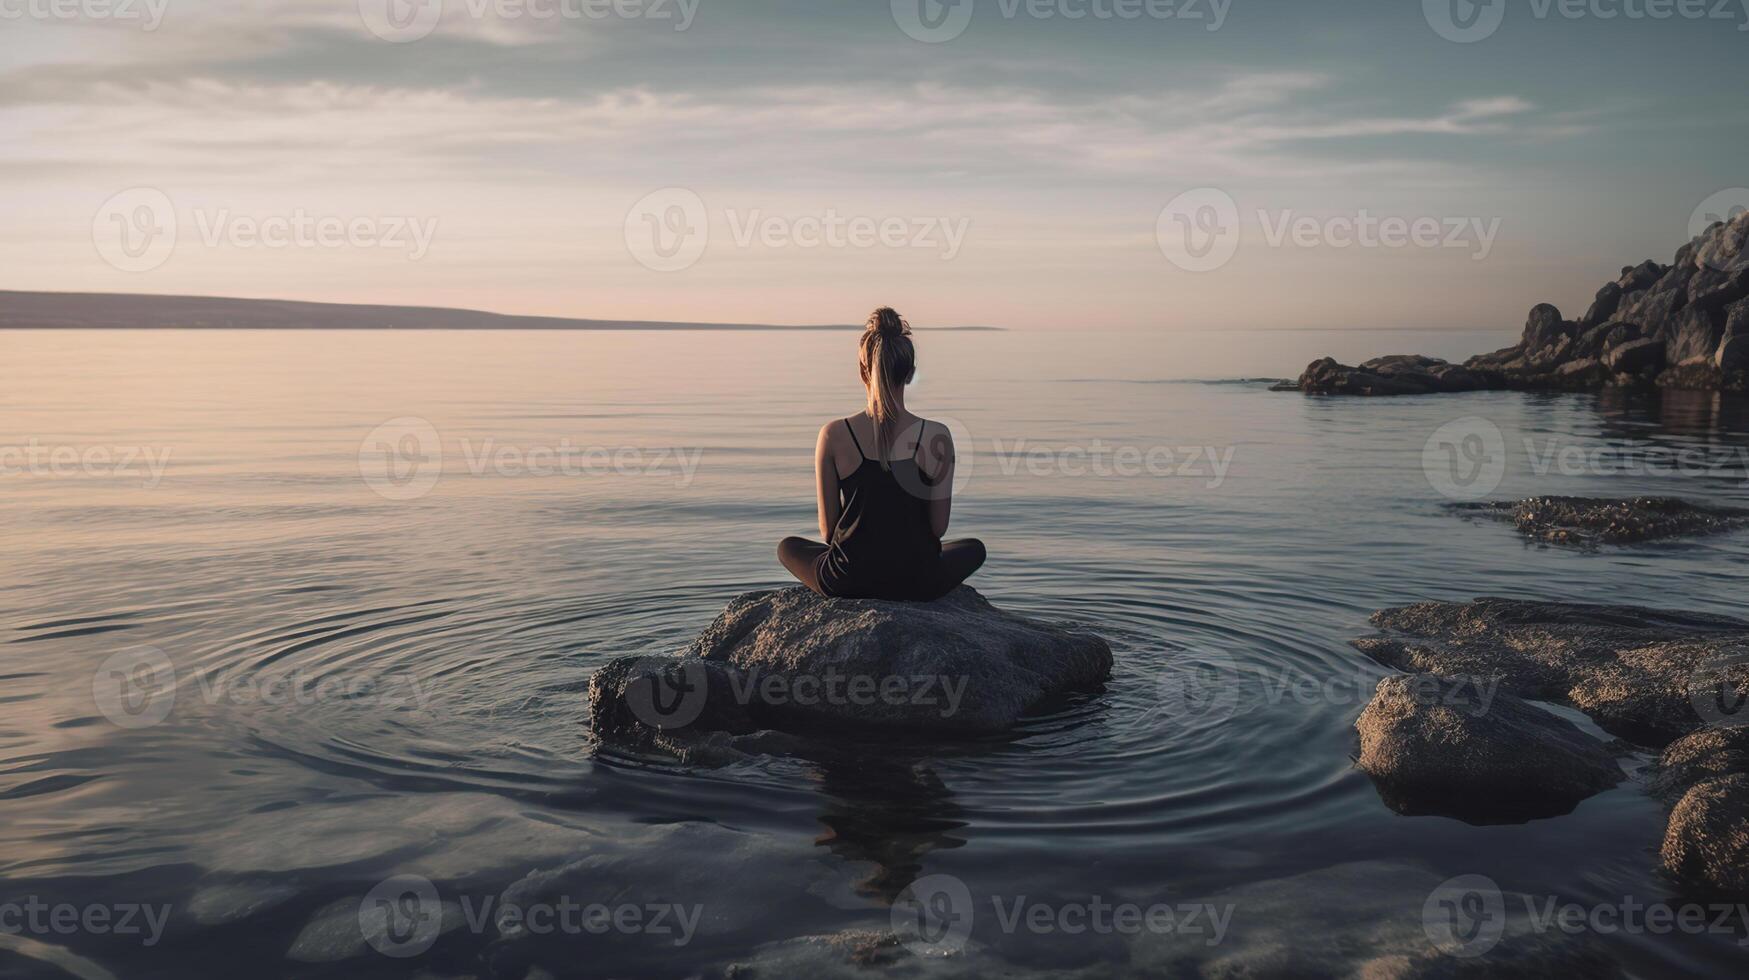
{"x":885,"y":484}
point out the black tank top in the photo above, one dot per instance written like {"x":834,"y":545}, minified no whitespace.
{"x":882,"y":546}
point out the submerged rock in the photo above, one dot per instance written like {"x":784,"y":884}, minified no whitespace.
{"x":1457,"y":746}
{"x":1603,"y":520}
{"x":1674,"y":326}
{"x":792,"y":660}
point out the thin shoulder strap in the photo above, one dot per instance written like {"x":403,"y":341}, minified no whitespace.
{"x":853,"y":439}
{"x":922,"y":431}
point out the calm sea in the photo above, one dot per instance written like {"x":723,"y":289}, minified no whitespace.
{"x":285,"y":615}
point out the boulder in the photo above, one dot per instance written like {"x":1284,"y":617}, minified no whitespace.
{"x":1635,"y":278}
{"x":1733,"y":353}
{"x":1655,"y":310}
{"x":1457,"y":746}
{"x":1645,"y":675}
{"x":1603,"y":307}
{"x":1544,"y":327}
{"x":1715,"y":289}
{"x":795,"y":661}
{"x":1724,"y":247}
{"x":1636,"y":356}
{"x":1706,"y":842}
{"x":1694,"y":337}
{"x":1704,"y":754}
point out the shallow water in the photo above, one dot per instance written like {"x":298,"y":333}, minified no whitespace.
{"x":370,"y":684}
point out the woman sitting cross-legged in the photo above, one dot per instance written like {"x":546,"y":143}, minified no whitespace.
{"x":885,"y":484}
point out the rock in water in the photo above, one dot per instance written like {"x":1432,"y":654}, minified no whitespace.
{"x":1587,"y":521}
{"x":1641,"y":674}
{"x":1707,"y":840}
{"x":1457,"y":746}
{"x":793,"y":660}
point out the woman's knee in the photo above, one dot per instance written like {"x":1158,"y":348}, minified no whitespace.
{"x":971,"y":551}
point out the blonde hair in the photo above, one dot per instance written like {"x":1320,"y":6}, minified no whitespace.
{"x":889,"y":362}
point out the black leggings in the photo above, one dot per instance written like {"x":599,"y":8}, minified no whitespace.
{"x":959,"y":559}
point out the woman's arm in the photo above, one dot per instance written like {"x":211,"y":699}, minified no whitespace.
{"x":940,"y":458}
{"x":826,"y":483}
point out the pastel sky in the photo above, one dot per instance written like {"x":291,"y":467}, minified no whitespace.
{"x":660,"y":159}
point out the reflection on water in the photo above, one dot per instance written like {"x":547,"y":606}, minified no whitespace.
{"x":251,"y":690}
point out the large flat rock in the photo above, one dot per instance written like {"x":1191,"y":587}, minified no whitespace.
{"x":791,"y":660}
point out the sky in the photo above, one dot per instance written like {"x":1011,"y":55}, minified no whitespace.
{"x":1061,"y":164}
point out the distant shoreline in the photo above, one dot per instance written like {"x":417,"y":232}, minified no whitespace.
{"x":21,"y":310}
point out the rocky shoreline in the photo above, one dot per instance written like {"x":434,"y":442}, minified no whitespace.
{"x":1683,"y":325}
{"x":1670,"y":681}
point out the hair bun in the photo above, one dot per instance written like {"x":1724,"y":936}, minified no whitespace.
{"x":887,"y":322}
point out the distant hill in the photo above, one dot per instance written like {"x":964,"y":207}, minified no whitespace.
{"x":137,"y":311}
